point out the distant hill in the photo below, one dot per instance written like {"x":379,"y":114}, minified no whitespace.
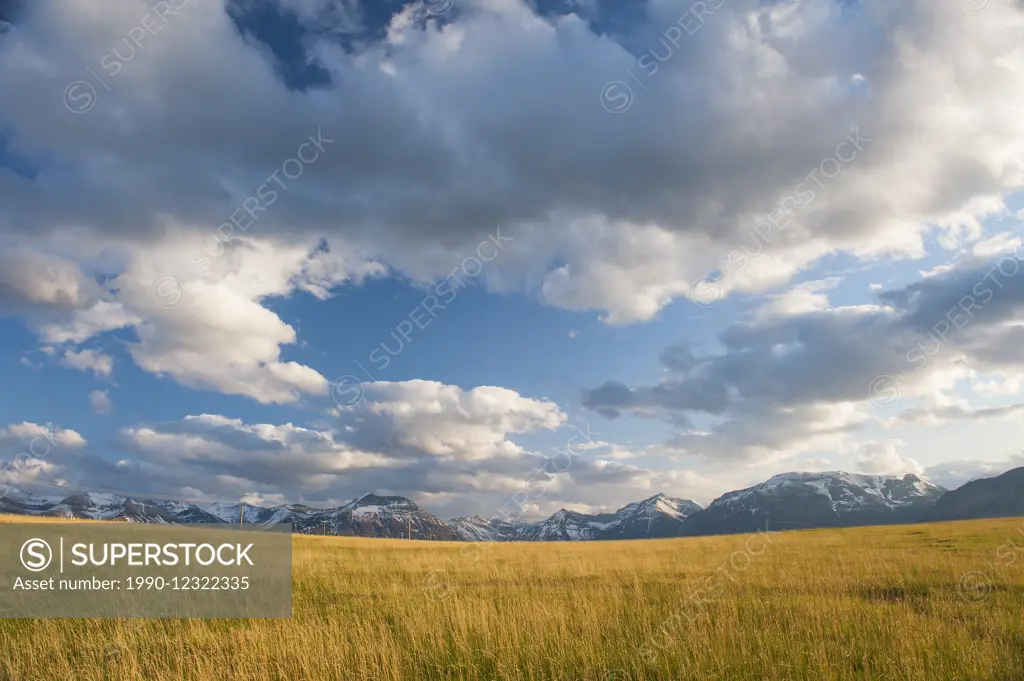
{"x":996,"y":497}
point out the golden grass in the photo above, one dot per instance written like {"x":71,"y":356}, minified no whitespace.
{"x":866,"y":603}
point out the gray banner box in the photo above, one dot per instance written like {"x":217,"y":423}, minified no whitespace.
{"x":47,"y":570}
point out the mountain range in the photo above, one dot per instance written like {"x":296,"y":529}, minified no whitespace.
{"x":786,"y":501}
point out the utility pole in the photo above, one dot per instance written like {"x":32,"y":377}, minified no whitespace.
{"x":410,"y":527}
{"x":241,"y":511}
{"x":325,"y":528}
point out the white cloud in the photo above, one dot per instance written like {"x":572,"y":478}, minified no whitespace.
{"x":448,"y":128}
{"x":30,"y":452}
{"x":883,"y":458}
{"x":953,"y":474}
{"x":1000,"y":384}
{"x":210,"y":330}
{"x":802,"y":299}
{"x":446,"y":421}
{"x":100,"y":402}
{"x":89,"y":360}
{"x":806,"y":376}
{"x":466,"y":463}
{"x":446,"y":136}
{"x":36,"y":437}
{"x":28,"y":278}
{"x":84,"y":323}
{"x":818,"y":464}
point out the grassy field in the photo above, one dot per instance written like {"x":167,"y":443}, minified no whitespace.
{"x":942,"y":601}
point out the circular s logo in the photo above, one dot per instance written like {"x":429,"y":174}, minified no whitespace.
{"x":79,"y":97}
{"x":885,"y":391}
{"x":616,"y":97}
{"x":436,"y":7}
{"x":36,"y":555}
{"x":707,"y":293}
{"x":975,"y":586}
{"x":168,"y":293}
{"x":347,"y":391}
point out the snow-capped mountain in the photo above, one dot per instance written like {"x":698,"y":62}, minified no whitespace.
{"x":13,"y":500}
{"x":806,"y":500}
{"x":567,"y":526}
{"x":367,"y":516}
{"x":475,"y":528}
{"x":659,"y":516}
{"x":102,"y":506}
{"x":786,"y":501}
{"x":376,"y":516}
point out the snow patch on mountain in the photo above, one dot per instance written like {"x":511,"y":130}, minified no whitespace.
{"x":787,"y":500}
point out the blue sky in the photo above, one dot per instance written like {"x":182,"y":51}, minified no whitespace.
{"x":719,"y":272}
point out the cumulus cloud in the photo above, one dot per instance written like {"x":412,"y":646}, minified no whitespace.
{"x":492,"y":116}
{"x":446,"y":421}
{"x":958,"y":410}
{"x":35,"y":280}
{"x":95,"y":361}
{"x":211,"y":330}
{"x":467,"y":462}
{"x":100,"y":402}
{"x":883,"y":458}
{"x":953,"y":474}
{"x":30,"y":452}
{"x":806,"y":375}
{"x":782,"y":133}
{"x":31,"y":435}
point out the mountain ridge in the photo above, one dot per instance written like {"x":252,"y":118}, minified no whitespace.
{"x":995,"y":497}
{"x":793,"y":500}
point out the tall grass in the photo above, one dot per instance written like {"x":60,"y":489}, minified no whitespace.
{"x":909,"y":602}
